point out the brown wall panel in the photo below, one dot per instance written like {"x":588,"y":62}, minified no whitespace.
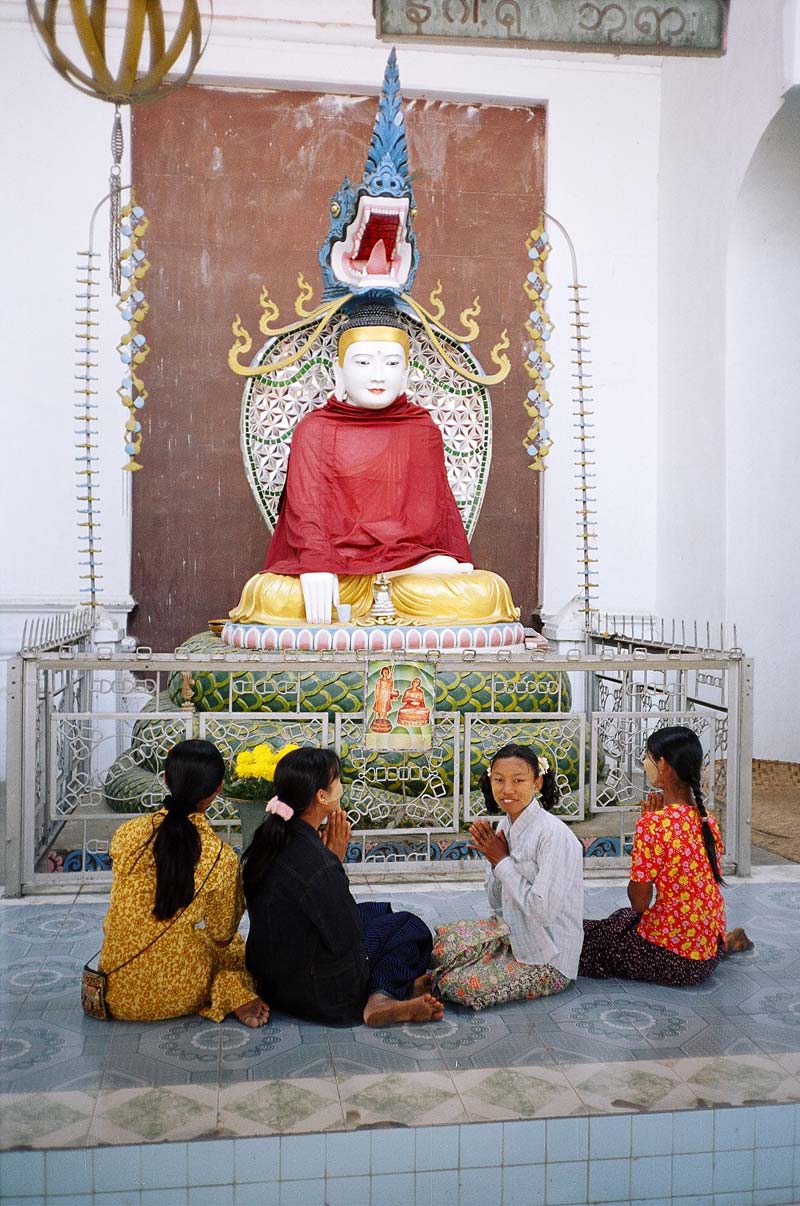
{"x":237,"y":186}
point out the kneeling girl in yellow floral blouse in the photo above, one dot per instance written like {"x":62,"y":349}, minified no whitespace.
{"x":171,"y":944}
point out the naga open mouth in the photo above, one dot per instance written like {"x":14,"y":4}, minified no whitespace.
{"x":375,"y":252}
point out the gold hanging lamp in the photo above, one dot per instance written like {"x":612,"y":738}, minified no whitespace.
{"x":135,"y":34}
{"x":146,"y":57}
{"x":143,"y":26}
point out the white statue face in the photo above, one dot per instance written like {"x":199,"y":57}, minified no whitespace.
{"x":372,"y":375}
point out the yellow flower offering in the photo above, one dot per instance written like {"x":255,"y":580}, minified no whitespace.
{"x":260,"y":763}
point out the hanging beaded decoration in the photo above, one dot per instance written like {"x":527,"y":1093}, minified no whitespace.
{"x":133,"y":348}
{"x":538,"y":364}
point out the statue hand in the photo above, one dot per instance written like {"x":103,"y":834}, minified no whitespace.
{"x":320,"y":593}
{"x":439,"y":563}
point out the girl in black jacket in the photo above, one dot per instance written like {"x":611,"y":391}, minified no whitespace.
{"x":313,"y":951}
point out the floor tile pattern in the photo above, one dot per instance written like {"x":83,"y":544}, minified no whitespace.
{"x":602,"y":1047}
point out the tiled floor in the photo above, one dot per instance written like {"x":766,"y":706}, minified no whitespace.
{"x":67,"y":1081}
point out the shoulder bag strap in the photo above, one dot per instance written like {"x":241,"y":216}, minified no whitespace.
{"x":169,"y":925}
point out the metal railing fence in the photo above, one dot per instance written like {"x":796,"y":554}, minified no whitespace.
{"x":83,"y":755}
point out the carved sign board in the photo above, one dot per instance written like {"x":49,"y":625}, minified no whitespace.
{"x":685,"y":27}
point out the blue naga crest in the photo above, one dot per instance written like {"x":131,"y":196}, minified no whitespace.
{"x":370,"y":246}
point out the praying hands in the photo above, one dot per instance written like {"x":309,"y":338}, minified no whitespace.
{"x":493,"y":846}
{"x":336,"y":834}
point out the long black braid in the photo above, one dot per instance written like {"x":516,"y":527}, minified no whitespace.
{"x":681,"y":749}
{"x":193,"y":771}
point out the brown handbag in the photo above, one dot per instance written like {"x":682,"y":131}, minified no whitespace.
{"x":93,"y":992}
{"x":94,"y":983}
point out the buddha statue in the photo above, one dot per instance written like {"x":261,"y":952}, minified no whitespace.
{"x":366,"y":492}
{"x":413,"y":709}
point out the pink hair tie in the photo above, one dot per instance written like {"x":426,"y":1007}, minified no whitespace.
{"x":277,"y":806}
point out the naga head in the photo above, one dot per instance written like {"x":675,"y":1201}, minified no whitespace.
{"x":370,"y":245}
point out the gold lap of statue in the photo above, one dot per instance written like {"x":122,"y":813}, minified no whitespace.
{"x":366,"y":492}
{"x":480,"y":598}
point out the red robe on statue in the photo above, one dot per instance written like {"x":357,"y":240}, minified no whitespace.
{"x":366,"y":490}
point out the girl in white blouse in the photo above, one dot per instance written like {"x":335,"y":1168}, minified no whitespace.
{"x":534,"y":880}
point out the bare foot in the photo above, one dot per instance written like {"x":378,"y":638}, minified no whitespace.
{"x":253,"y":1013}
{"x":421,"y":985}
{"x":737,"y":940}
{"x":381,"y":1010}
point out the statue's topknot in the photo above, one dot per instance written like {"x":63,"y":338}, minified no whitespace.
{"x":372,"y":314}
{"x":375,"y":322}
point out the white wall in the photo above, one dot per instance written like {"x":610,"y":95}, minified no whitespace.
{"x":712,"y":116}
{"x":763,"y":430}
{"x":54,"y":148}
{"x":60,"y":140}
{"x":727,"y":370}
{"x":644,"y":161}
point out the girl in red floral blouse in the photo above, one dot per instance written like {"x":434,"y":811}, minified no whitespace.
{"x":678,"y":938}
